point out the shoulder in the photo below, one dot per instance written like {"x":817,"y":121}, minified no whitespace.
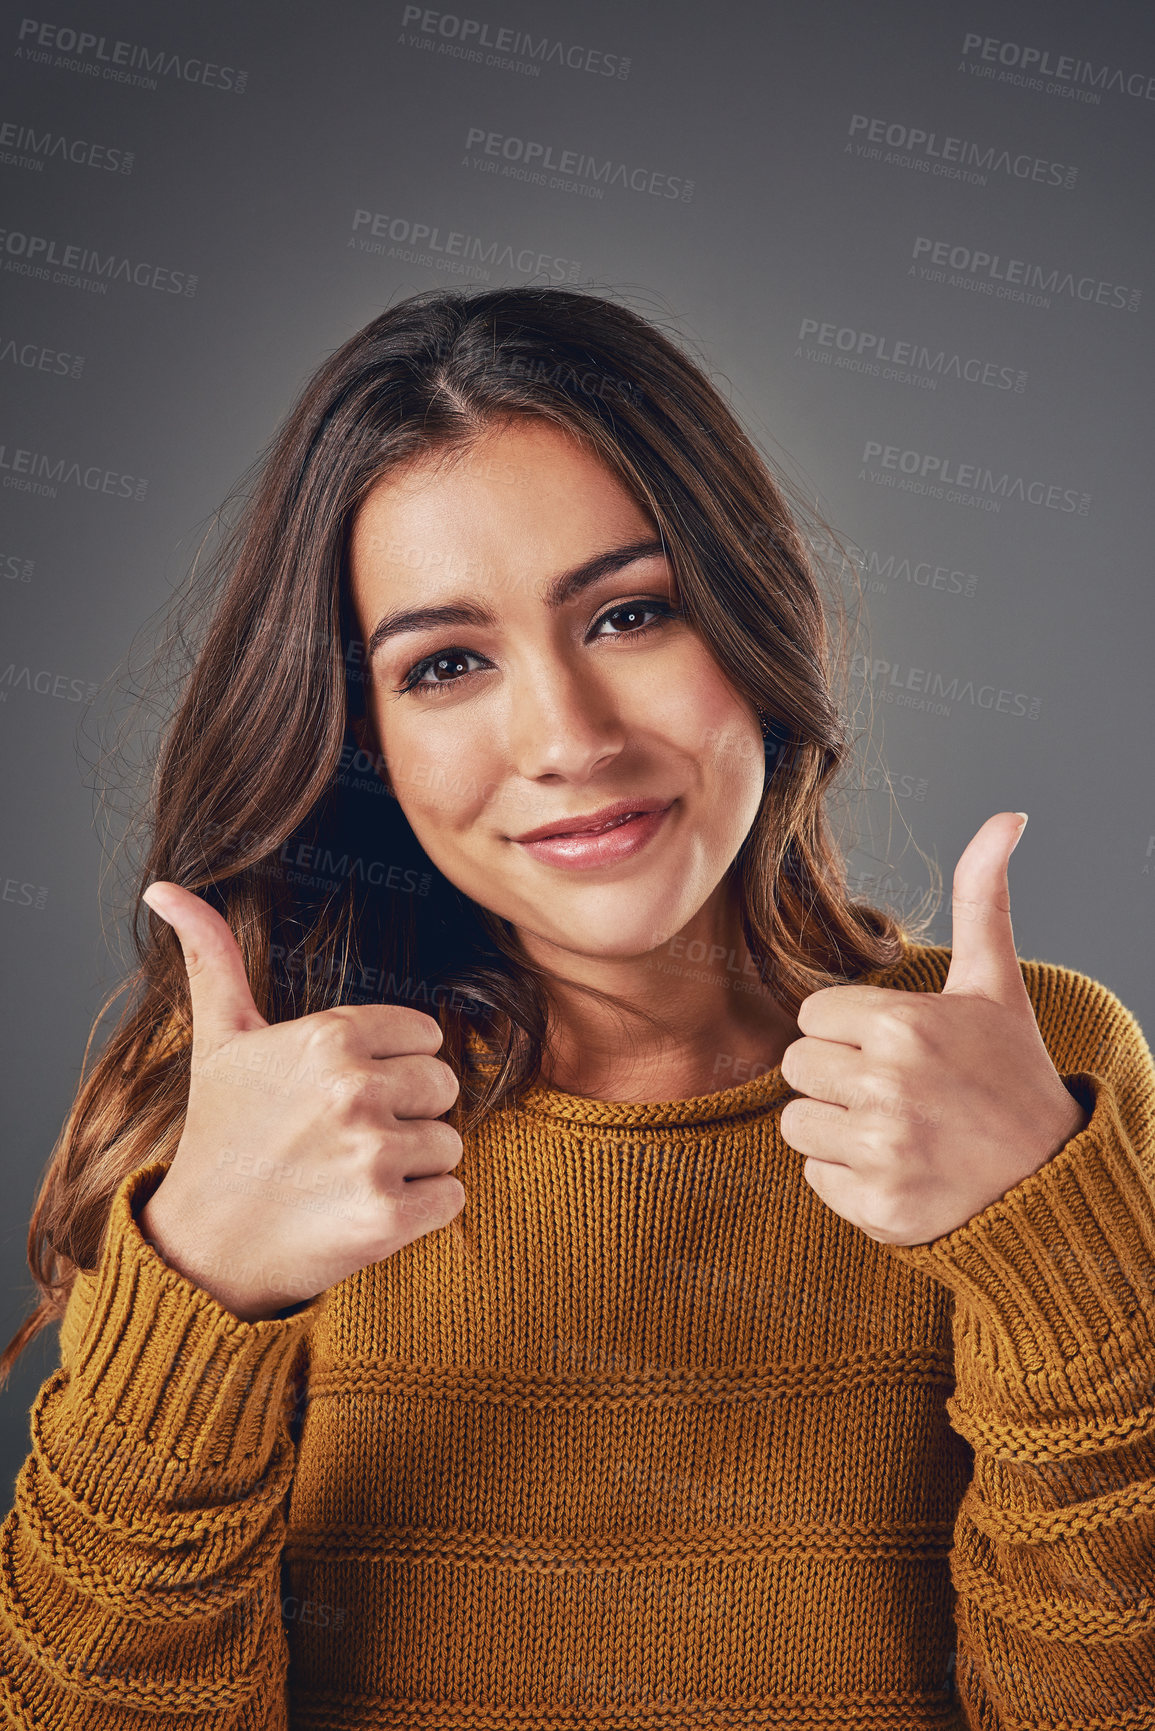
{"x":1084,"y":1024}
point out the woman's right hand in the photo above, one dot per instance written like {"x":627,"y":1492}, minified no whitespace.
{"x":311,"y":1148}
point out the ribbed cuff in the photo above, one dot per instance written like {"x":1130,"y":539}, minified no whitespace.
{"x":164,"y":1377}
{"x":1062,"y":1265}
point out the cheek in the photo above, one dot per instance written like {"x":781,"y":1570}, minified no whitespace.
{"x":733,"y":754}
{"x":720,"y":731}
{"x":443,"y":785}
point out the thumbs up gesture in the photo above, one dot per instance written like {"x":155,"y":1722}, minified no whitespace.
{"x":922,"y":1108}
{"x":310,"y":1148}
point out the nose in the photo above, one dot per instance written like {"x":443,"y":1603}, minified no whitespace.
{"x":564,"y":725}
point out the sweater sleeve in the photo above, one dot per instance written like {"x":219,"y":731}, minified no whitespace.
{"x":140,"y":1564}
{"x":1053,"y":1287}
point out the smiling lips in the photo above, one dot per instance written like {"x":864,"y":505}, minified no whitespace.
{"x":595,"y":822}
{"x":617,"y":837}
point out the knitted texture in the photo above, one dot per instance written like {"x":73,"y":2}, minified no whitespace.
{"x":647,"y":1437}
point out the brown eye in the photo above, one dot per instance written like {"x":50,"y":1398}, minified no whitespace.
{"x":633,"y":611}
{"x":450,"y":662}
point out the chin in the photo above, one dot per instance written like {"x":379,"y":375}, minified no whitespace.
{"x":644,"y":931}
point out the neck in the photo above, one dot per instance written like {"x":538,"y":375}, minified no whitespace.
{"x":695,"y":1017}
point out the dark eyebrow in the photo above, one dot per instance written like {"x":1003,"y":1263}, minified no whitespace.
{"x":558,"y":591}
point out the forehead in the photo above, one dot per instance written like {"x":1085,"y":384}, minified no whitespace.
{"x":525,"y":490}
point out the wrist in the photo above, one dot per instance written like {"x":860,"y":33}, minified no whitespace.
{"x":160,"y":1227}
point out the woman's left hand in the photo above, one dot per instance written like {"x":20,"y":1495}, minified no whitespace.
{"x":923,"y":1108}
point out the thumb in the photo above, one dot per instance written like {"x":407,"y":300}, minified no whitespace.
{"x":222,"y":1004}
{"x":983,"y":960}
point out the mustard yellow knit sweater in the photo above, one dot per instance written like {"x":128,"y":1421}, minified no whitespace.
{"x":647,"y":1438}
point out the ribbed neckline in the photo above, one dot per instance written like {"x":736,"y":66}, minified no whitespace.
{"x":741,"y":1099}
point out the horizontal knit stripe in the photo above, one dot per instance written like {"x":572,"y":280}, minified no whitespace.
{"x":757,"y":1383}
{"x":1054,"y":1618}
{"x":120,"y":1663}
{"x":661,"y":1548}
{"x":1046,"y":1525}
{"x":1055,"y":1439}
{"x":67,"y":1538}
{"x":889,"y":1710}
{"x":1109,"y":1688}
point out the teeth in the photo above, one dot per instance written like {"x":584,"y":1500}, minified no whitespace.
{"x":614,"y":823}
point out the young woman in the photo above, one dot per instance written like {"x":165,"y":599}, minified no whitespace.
{"x":535,"y":1252}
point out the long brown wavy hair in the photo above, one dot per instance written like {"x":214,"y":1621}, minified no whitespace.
{"x":264,"y":802}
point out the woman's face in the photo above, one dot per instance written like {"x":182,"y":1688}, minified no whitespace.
{"x":521,"y":709}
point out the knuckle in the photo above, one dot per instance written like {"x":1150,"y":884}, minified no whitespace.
{"x":327,"y":1031}
{"x":874,"y":1087}
{"x":447,"y":1072}
{"x":902,"y":1027}
{"x":441,"y":1073}
{"x":194,"y":961}
{"x":904,"y":1142}
{"x":891,"y":1217}
{"x":454,"y":1194}
{"x":413,"y":1023}
{"x":877,"y":1141}
{"x":447,"y":1141}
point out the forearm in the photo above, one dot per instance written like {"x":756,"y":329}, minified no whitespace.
{"x":1054,"y":1553}
{"x":140,"y":1565}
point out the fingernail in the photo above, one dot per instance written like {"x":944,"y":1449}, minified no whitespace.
{"x":1022,"y":827}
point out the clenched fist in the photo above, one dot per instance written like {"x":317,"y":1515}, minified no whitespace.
{"x":310,"y":1148}
{"x":922,"y":1108}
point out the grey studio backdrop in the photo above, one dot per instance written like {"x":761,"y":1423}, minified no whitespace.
{"x":913,"y":243}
